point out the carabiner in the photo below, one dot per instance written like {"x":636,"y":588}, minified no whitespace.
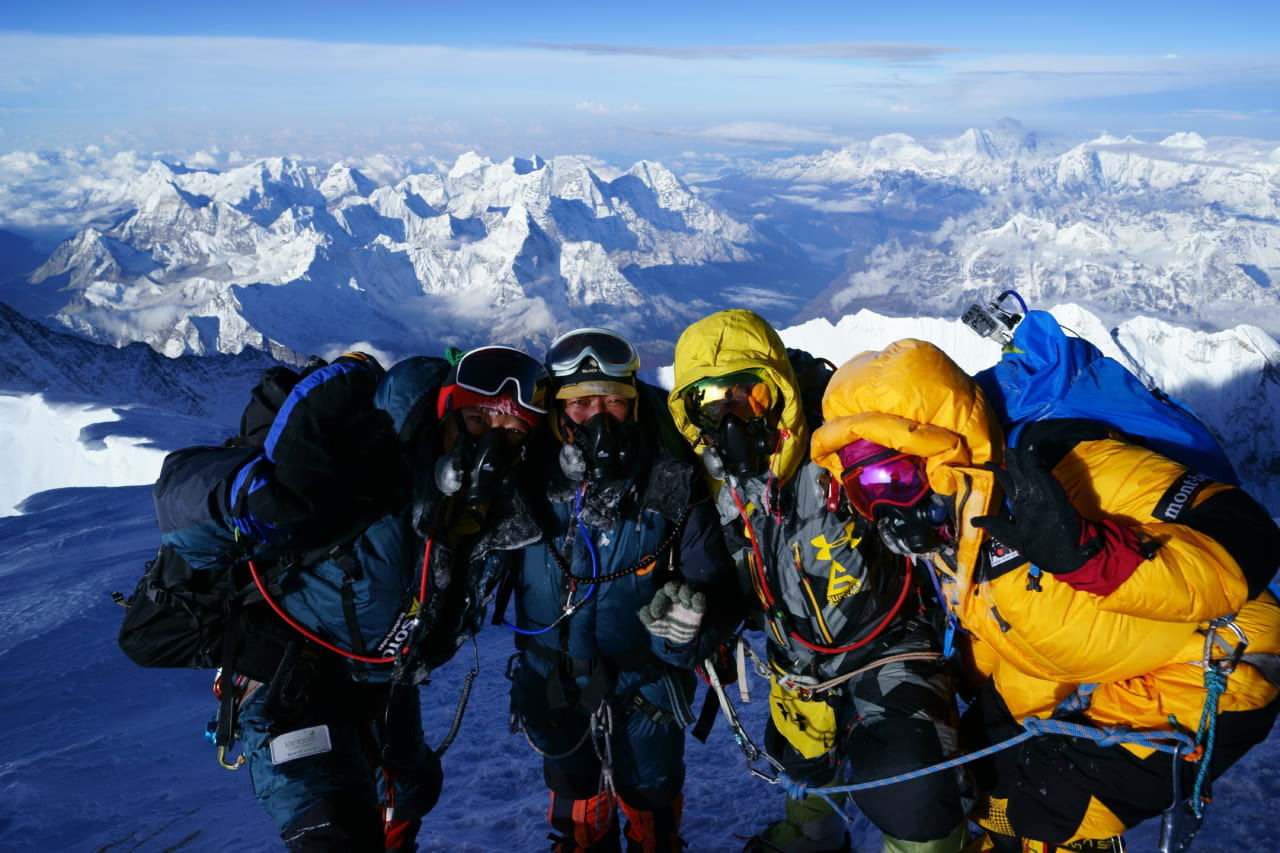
{"x":222,"y":759}
{"x":1234,"y":652}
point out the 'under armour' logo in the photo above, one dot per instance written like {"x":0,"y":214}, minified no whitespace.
{"x":840,"y":584}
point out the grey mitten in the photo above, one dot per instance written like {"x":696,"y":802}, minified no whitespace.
{"x":675,"y":614}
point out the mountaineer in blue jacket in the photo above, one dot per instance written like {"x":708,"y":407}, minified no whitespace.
{"x":362,"y":503}
{"x":628,"y":587}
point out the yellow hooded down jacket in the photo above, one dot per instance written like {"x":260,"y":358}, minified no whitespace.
{"x":740,"y":340}
{"x":1142,"y":643}
{"x":818,"y":590}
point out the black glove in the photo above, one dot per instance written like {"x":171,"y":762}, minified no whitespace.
{"x":1039,"y":520}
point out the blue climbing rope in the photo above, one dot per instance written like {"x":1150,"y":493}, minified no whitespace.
{"x":1170,"y":741}
{"x":1215,"y":684}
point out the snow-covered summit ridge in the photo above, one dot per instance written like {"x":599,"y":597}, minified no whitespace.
{"x":68,"y":407}
{"x":1185,"y":229}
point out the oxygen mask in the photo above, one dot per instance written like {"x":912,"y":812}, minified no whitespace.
{"x":732,"y":414}
{"x":602,"y":448}
{"x":921,"y":528}
{"x":475,"y":468}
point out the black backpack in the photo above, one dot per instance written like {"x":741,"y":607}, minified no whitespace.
{"x":178,"y":617}
{"x":812,"y":375}
{"x":182,"y":618}
{"x":219,"y":617}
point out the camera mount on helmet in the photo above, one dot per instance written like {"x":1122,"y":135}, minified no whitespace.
{"x":993,"y":321}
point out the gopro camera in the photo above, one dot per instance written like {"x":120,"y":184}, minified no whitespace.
{"x":992,"y":321}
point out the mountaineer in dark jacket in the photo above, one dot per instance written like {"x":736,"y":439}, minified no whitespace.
{"x":628,"y":587}
{"x":366,"y":498}
{"x":859,"y":683}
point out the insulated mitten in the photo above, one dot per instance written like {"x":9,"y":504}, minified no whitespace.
{"x":327,"y":428}
{"x":330,"y":459}
{"x":1040,"y":521}
{"x":675,"y":613}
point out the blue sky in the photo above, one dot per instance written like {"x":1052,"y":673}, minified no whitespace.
{"x":622,"y":81}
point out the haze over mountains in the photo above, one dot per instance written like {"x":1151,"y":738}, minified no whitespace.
{"x":295,"y":258}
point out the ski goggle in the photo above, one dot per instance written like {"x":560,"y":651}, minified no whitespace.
{"x":744,"y":395}
{"x":487,"y":370}
{"x":890,"y":477}
{"x":614,"y":353}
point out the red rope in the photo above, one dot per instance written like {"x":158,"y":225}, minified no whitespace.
{"x":292,"y":623}
{"x":755,"y":546}
{"x":835,"y":650}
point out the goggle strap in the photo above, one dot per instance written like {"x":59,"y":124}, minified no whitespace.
{"x":874,"y":459}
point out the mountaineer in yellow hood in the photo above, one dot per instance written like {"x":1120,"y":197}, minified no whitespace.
{"x":1112,"y":631}
{"x":859,"y":684}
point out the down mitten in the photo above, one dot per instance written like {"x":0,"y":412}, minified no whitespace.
{"x":330,"y":457}
{"x":675,"y":613}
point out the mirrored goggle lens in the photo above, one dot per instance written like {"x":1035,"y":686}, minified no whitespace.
{"x":612,"y":352}
{"x":488,"y":369}
{"x":743,"y":395}
{"x":899,"y":480}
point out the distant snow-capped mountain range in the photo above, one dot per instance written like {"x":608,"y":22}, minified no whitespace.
{"x":293,"y":258}
{"x":288,"y":258}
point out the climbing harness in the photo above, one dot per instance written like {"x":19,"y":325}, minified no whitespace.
{"x":807,"y":690}
{"x":1180,"y":821}
{"x":796,"y":684}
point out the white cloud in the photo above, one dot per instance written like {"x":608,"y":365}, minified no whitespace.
{"x":769,"y":133}
{"x":883,"y":51}
{"x":266,"y":97}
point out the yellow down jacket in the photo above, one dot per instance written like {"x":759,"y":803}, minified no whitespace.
{"x":1142,"y":644}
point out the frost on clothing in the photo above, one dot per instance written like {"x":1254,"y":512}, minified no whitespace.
{"x":593,"y":684}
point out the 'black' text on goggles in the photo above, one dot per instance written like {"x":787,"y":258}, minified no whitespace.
{"x":614,"y":353}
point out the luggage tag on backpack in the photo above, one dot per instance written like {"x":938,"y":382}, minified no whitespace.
{"x":312,"y":740}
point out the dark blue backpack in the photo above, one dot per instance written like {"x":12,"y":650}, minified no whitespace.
{"x":1047,"y":374}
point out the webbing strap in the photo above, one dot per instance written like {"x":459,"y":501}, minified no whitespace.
{"x":352,"y":571}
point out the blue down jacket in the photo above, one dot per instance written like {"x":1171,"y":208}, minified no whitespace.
{"x":635,"y":535}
